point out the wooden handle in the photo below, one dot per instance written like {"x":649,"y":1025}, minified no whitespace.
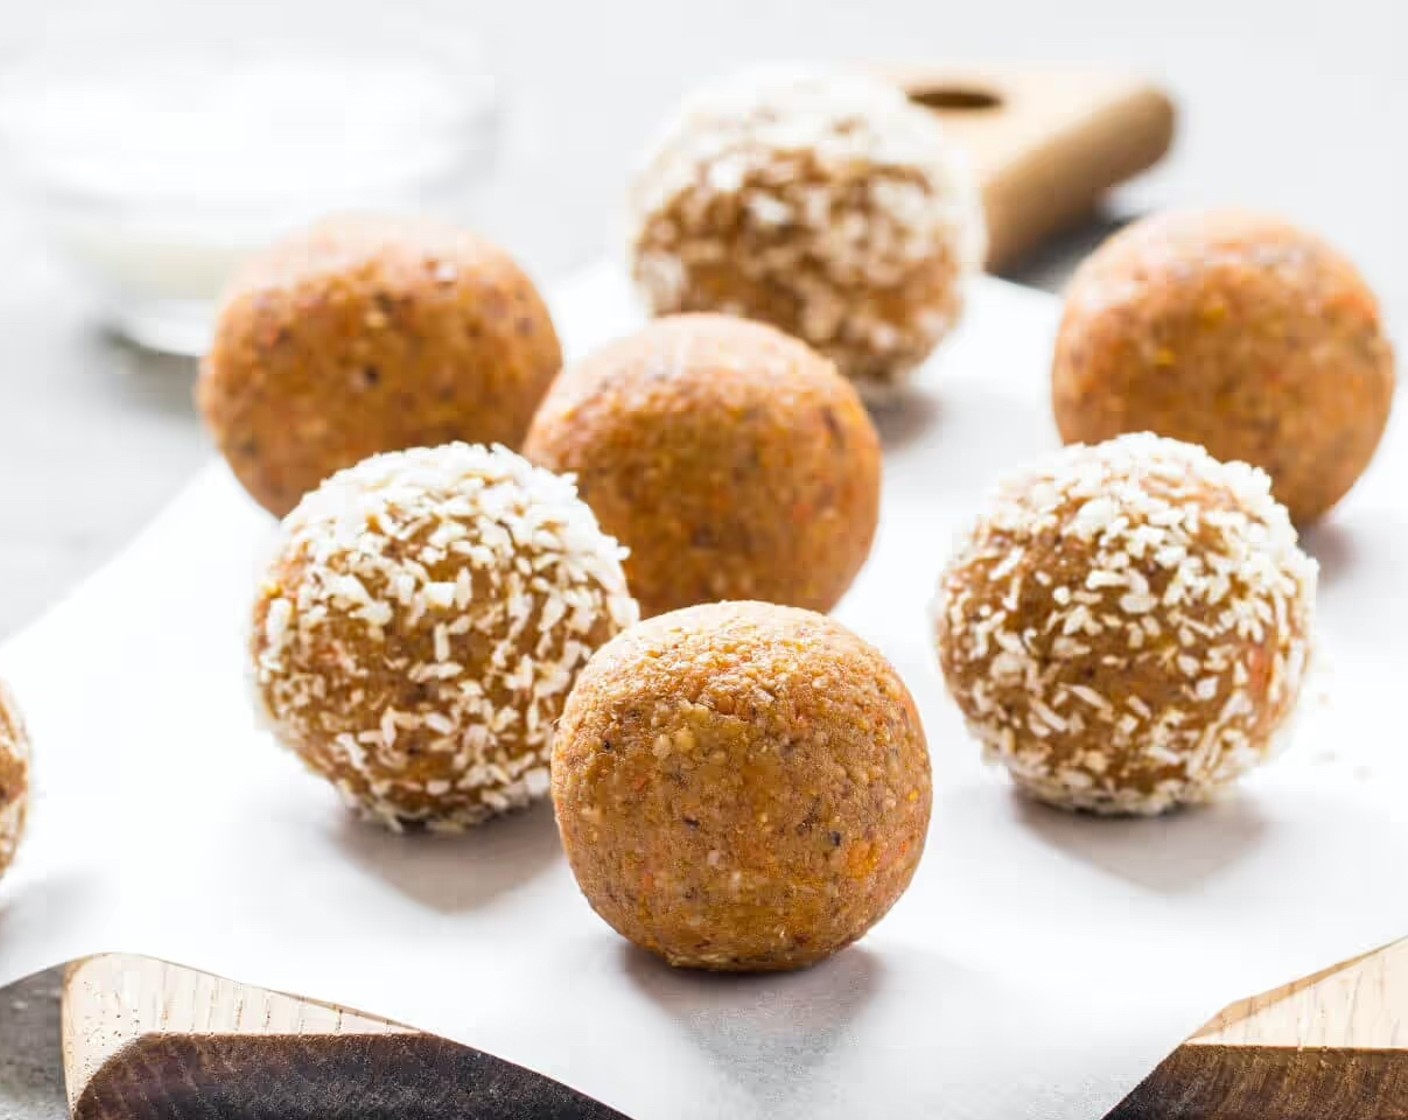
{"x":146,"y":1040}
{"x":1046,"y":146}
{"x":1333,"y":1046}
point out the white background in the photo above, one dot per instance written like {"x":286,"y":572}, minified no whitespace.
{"x":1292,"y":105}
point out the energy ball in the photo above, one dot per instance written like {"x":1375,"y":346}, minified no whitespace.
{"x":741,"y":786}
{"x":1235,"y":331}
{"x":733,"y":461}
{"x":421,"y":624}
{"x":1127,"y":627}
{"x":368,"y":334}
{"x":14,"y":777}
{"x":825,"y":203}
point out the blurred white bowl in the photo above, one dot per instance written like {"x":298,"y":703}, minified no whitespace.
{"x":161,"y":145}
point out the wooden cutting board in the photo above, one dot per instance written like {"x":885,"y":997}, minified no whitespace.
{"x":1333,"y":1046}
{"x":147,"y":1040}
{"x":143,"y":1039}
{"x":1046,"y":145}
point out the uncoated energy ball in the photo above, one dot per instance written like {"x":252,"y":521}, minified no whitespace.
{"x":741,"y":786}
{"x":366,"y":334}
{"x":1235,"y":331}
{"x":733,"y":461}
{"x":1127,"y":626}
{"x":825,"y":203}
{"x":421,"y":624}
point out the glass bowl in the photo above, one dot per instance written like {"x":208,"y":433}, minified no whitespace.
{"x":161,"y":143}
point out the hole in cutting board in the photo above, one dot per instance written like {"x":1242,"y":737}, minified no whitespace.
{"x":956,"y":98}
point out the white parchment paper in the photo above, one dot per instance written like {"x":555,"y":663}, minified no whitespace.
{"x":1038,"y":967}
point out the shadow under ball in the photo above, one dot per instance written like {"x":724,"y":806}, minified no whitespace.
{"x":14,"y":777}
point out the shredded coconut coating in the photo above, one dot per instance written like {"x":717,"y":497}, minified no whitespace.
{"x":422,"y":624}
{"x":14,"y":777}
{"x":1128,"y":626}
{"x":824,"y":203}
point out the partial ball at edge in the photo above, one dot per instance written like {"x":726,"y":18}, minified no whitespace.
{"x":15,"y":753}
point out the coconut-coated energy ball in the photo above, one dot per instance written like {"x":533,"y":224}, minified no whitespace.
{"x":366,"y":334}
{"x":741,"y":786}
{"x":825,"y":203}
{"x":1235,"y":331}
{"x":732,"y":460}
{"x":421,"y":624}
{"x":1127,"y":626}
{"x":14,"y":777}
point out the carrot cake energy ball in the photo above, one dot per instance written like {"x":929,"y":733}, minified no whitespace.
{"x":741,"y":786}
{"x":825,"y":203}
{"x":733,"y":461}
{"x":419,"y":629}
{"x":1127,"y":627}
{"x":368,"y":334}
{"x":1235,"y":331}
{"x":14,"y":777}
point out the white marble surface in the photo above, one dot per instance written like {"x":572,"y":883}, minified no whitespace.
{"x":1286,"y":106}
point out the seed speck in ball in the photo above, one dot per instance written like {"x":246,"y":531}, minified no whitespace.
{"x":824,"y":203}
{"x":1128,"y":625}
{"x":422,"y":624}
